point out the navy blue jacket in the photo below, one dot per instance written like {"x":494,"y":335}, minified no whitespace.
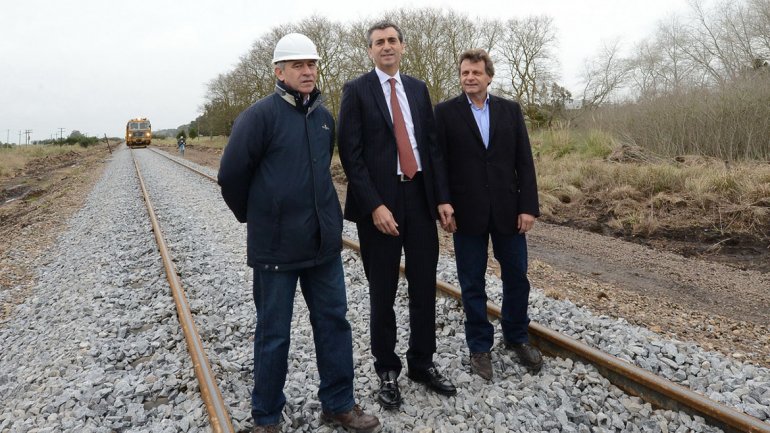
{"x":275,"y":177}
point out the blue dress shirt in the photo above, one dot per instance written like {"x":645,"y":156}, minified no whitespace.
{"x":482,"y":119}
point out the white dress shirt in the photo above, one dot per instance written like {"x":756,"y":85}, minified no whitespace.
{"x":404,"y":104}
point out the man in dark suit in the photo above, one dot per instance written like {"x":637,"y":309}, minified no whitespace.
{"x":494,"y":194}
{"x":395,"y":194}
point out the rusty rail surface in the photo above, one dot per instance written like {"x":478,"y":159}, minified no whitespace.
{"x":634,"y":380}
{"x":212,"y":397}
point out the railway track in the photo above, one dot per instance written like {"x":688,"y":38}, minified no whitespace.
{"x":212,"y":396}
{"x":657,"y":391}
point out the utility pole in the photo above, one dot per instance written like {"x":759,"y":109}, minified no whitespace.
{"x":27,"y":132}
{"x":61,"y":133}
{"x":19,"y":137}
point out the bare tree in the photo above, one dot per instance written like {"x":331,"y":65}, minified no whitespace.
{"x":224,"y":102}
{"x":434,"y":39}
{"x":255,"y":69}
{"x":489,"y":32}
{"x":646,"y":70}
{"x":761,"y":25}
{"x":356,"y":57}
{"x":526,"y":48}
{"x":331,"y":41}
{"x":604,"y":75}
{"x":678,"y":71}
{"x":722,"y":40}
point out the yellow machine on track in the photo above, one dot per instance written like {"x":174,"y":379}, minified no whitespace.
{"x":138,"y":132}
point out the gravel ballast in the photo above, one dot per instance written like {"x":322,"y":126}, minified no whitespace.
{"x":97,"y":346}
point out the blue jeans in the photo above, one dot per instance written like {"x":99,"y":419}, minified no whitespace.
{"x":323,"y":288}
{"x":471,"y":257}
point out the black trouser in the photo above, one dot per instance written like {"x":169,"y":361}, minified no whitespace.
{"x":381,"y":256}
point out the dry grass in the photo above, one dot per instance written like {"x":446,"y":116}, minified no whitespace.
{"x":642,"y":197}
{"x":14,"y":159}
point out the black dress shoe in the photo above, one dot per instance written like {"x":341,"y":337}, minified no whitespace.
{"x":433,"y":380}
{"x":528,"y":355}
{"x":389,"y":395}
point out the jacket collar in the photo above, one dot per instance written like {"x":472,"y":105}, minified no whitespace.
{"x":379,"y":97}
{"x":295,"y":98}
{"x":463,"y":104}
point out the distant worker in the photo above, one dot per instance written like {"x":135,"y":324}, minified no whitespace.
{"x":275,"y":176}
{"x":180,"y":143}
{"x":493,"y":192}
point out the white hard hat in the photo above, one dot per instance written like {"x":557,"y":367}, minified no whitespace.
{"x":295,"y":46}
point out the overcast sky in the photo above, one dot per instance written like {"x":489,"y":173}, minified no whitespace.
{"x":91,"y":65}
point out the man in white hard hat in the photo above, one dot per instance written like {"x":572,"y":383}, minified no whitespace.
{"x":275,"y":177}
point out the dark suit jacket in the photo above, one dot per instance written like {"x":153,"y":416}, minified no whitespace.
{"x":489,"y":187}
{"x":367,"y":146}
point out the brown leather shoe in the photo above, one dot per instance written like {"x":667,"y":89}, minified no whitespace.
{"x":481,"y":364}
{"x":528,"y":355}
{"x":354,"y":420}
{"x":270,"y":428}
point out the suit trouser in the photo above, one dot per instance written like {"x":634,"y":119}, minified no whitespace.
{"x":381,"y":256}
{"x":471,"y":254}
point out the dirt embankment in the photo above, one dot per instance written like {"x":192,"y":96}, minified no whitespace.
{"x":35,"y":205}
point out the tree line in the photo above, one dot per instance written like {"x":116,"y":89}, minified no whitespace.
{"x":525,"y":66}
{"x":699,"y":85}
{"x":708,"y":53}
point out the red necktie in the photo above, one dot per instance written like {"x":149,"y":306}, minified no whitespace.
{"x":405,"y":152}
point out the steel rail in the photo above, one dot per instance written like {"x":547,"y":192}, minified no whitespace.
{"x":212,"y":397}
{"x":211,"y":178}
{"x":634,"y":380}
